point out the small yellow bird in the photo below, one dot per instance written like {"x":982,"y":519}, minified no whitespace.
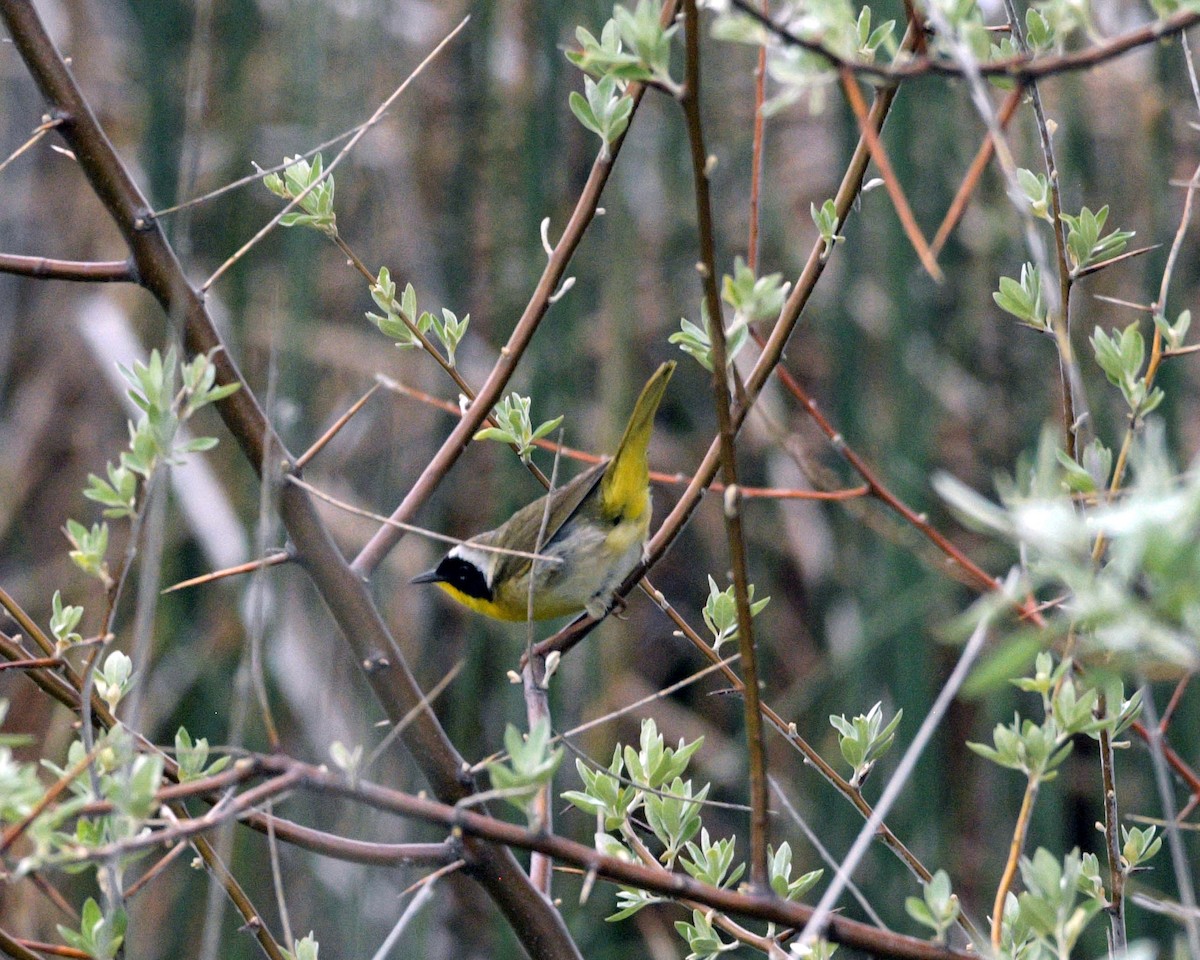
{"x":596,"y":531}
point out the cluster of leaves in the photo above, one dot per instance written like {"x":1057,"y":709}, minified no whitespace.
{"x":720,"y":612}
{"x":1059,"y":900}
{"x":826,"y":220}
{"x":633,"y":47}
{"x":752,"y":299}
{"x":400,"y":319}
{"x":1038,"y":749}
{"x":530,"y":766}
{"x":65,"y":837}
{"x":191,"y":757}
{"x":313,"y":186}
{"x":650,"y":780}
{"x":61,"y":836}
{"x":937,"y":907}
{"x":1143,"y":601}
{"x":98,"y":936}
{"x":514,"y":425}
{"x":1121,"y":356}
{"x":1087,"y":250}
{"x":403,"y":323}
{"x":168,"y":394}
{"x":864,"y":740}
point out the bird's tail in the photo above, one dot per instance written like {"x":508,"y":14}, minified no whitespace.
{"x":626,"y":482}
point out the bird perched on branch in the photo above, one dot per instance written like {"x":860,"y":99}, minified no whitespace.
{"x":595,"y":534}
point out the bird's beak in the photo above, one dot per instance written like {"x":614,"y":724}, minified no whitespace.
{"x":429,"y":576}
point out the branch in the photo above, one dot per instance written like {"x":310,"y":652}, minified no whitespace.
{"x":690,"y":100}
{"x":654,"y":879}
{"x":44,"y":268}
{"x":1020,"y":68}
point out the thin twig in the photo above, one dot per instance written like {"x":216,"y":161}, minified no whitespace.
{"x":410,"y":528}
{"x":271,"y":560}
{"x":304,"y":458}
{"x":974,"y":173}
{"x":333,"y":164}
{"x":428,"y":698}
{"x":38,"y":132}
{"x":823,"y":912}
{"x":891,"y":181}
{"x":414,"y":907}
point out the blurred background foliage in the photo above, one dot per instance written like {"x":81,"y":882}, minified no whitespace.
{"x":449,"y":192}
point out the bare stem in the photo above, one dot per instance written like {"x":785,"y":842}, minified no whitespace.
{"x":690,"y":99}
{"x":1112,"y":839}
{"x":1014,"y":858}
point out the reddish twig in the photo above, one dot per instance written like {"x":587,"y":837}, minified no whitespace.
{"x":983,"y":157}
{"x":895,"y":191}
{"x":304,"y":458}
{"x":274,"y":560}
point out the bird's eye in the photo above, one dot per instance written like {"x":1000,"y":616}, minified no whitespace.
{"x":617,"y":519}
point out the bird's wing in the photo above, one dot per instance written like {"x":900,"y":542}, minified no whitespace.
{"x":520,"y":531}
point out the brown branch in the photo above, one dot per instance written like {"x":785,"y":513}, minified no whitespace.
{"x":690,"y":100}
{"x":466,"y":823}
{"x":45,"y":268}
{"x":1019,"y":68}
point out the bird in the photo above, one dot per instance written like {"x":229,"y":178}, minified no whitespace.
{"x":595,"y":535}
